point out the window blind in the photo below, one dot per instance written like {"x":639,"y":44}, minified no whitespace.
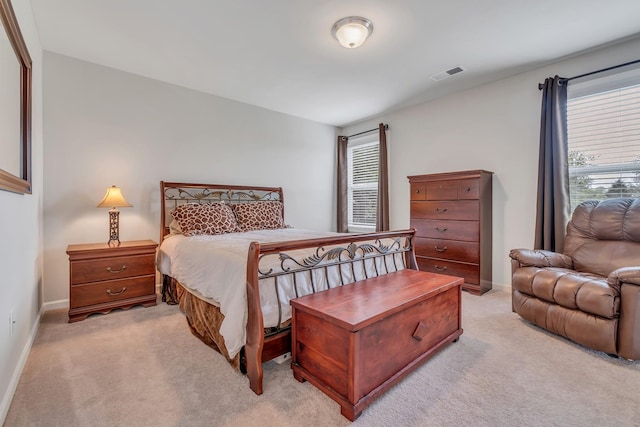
{"x":362,"y":185}
{"x":603,"y":125}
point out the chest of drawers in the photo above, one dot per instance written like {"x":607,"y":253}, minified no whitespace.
{"x":451,"y":213}
{"x":103,"y":277}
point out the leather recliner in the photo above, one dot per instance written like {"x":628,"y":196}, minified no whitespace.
{"x":590,"y":293}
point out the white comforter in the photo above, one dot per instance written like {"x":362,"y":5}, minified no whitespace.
{"x":216,"y":267}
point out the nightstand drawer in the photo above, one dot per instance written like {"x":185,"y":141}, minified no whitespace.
{"x":112,"y":290}
{"x":97,"y":270}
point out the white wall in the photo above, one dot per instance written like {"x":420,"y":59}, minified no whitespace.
{"x":105,"y":127}
{"x":493,"y":127}
{"x":21,"y":239}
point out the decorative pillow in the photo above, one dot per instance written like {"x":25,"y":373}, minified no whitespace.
{"x":206,"y":218}
{"x":259,"y":215}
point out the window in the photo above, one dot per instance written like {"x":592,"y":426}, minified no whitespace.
{"x":362,"y":183}
{"x":603,"y":124}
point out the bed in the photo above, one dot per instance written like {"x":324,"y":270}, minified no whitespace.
{"x":232,"y":264}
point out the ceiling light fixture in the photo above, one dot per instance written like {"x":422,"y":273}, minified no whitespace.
{"x":352,"y":31}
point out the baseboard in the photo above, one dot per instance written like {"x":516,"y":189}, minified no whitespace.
{"x":501,"y":287}
{"x":54,"y":305}
{"x":13,"y":384}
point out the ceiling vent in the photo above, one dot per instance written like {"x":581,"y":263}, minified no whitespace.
{"x":448,"y":73}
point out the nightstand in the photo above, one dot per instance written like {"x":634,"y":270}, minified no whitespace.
{"x":103,"y":277}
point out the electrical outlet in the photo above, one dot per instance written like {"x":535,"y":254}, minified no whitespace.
{"x":12,"y":322}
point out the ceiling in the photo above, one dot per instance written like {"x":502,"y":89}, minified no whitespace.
{"x":280,"y":55}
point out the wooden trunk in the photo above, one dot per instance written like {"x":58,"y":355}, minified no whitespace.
{"x":354,"y":342}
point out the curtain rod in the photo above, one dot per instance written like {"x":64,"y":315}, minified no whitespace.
{"x":386,"y":127}
{"x":541,"y":85}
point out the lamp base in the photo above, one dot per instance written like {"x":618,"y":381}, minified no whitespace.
{"x":114,"y":227}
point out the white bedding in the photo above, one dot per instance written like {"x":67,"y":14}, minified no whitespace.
{"x":215,"y":267}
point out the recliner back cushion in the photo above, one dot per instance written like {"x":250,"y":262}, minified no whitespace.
{"x":603,"y":256}
{"x":604,"y":236}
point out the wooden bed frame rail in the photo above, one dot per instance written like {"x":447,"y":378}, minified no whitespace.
{"x":350,"y":250}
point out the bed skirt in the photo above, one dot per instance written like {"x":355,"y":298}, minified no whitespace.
{"x":204,"y":319}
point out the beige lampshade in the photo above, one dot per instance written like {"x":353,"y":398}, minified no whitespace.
{"x":114,"y":199}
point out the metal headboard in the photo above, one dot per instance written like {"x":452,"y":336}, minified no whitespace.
{"x":174,"y":194}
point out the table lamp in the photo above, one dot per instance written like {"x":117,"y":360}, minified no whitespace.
{"x":114,"y":199}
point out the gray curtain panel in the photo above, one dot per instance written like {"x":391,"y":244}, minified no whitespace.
{"x":553,"y":206}
{"x":382,"y":212}
{"x":343,"y":212}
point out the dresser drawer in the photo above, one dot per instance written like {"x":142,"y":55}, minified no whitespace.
{"x":468,"y":231}
{"x":468,"y":189}
{"x":470,"y":272}
{"x":111,"y":290}
{"x":447,"y":249}
{"x":97,"y":270}
{"x":442,"y":190}
{"x":418,"y":191}
{"x":467,"y":210}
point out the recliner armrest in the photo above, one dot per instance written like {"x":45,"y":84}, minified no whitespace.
{"x":540,"y":258}
{"x":624,"y":275}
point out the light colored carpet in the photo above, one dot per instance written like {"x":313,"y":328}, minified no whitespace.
{"x":143,"y":367}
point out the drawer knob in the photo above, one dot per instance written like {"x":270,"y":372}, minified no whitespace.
{"x":440,"y":249}
{"x":113,"y":294}
{"x":417,"y":191}
{"x":442,"y":230}
{"x":440,"y":268}
{"x":468,"y":188}
{"x":438,"y":210}
{"x":123,"y":268}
